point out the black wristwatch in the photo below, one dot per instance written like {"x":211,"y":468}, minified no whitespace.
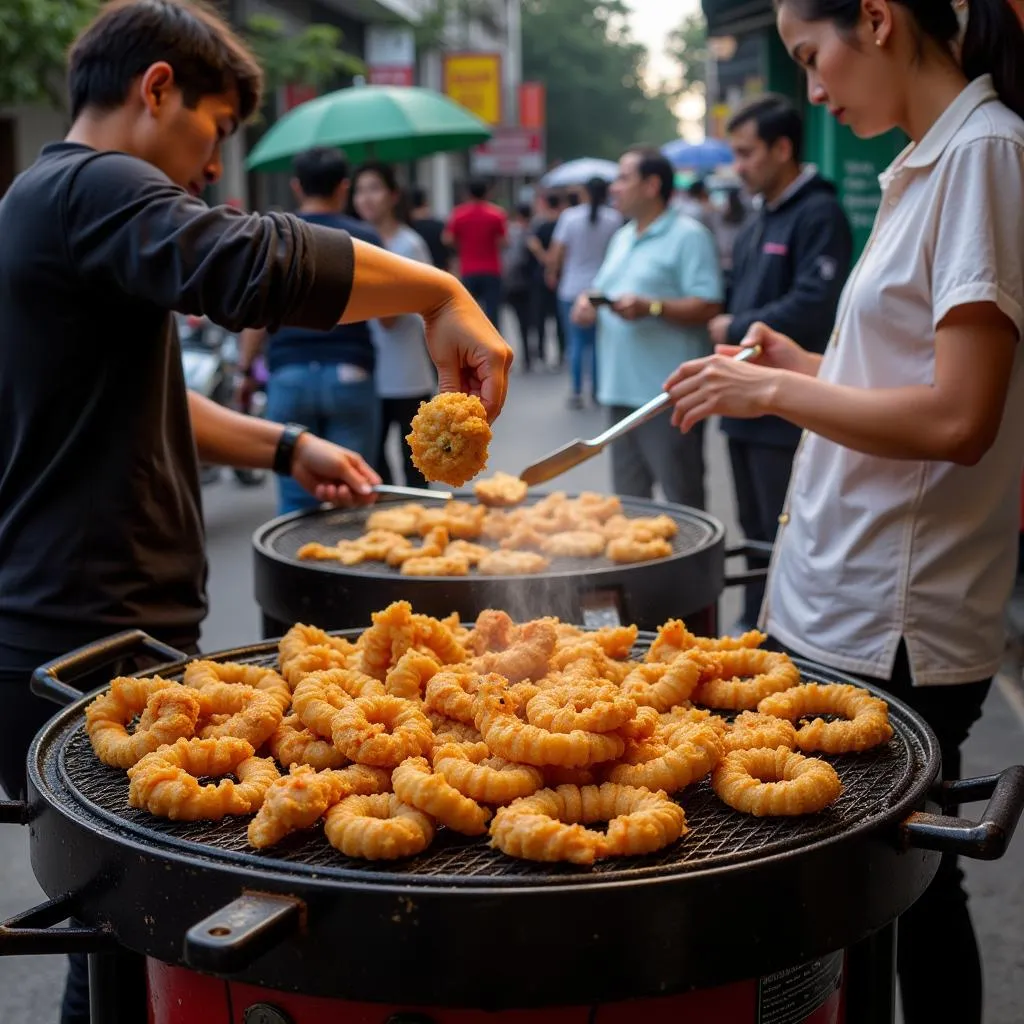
{"x":286,"y":448}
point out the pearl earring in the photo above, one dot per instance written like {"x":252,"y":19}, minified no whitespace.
{"x":878,"y":42}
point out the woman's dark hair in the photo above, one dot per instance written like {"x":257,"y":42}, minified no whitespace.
{"x":735,"y":211}
{"x":386,"y":173}
{"x":597,"y":189}
{"x":993,"y":43}
{"x":129,"y":36}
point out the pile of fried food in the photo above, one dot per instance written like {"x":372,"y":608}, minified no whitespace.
{"x":451,"y":536}
{"x":528,"y":733}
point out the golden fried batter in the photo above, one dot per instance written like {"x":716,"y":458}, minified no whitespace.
{"x":574,"y":544}
{"x":501,"y":490}
{"x":513,"y":563}
{"x":449,"y":438}
{"x":630,"y":548}
{"x":435,"y":565}
{"x":377,"y":827}
{"x":403,"y":519}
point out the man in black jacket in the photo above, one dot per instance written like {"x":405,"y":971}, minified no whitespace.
{"x":790,"y":265}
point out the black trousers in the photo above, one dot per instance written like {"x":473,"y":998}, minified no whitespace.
{"x":530,"y":340}
{"x":22,"y":715}
{"x":399,"y":412}
{"x":544,"y":308}
{"x":937,"y":955}
{"x":760,"y":474}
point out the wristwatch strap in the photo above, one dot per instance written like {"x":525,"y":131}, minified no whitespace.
{"x":657,"y":307}
{"x":286,"y":448}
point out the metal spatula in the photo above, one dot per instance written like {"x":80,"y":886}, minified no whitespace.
{"x":576,"y":452}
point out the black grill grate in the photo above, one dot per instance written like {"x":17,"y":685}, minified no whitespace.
{"x":331,"y":525}
{"x":718,"y":836}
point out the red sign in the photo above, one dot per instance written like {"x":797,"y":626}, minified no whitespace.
{"x":532,"y":105}
{"x":391,"y":74}
{"x":513,"y":151}
{"x":295,"y":95}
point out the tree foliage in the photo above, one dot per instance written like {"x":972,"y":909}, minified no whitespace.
{"x":593,"y":69}
{"x":688,"y":47}
{"x":440,"y":25}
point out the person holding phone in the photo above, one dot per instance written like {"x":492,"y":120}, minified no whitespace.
{"x":897,"y":545}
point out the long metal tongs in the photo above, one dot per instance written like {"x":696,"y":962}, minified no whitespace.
{"x":576,"y":452}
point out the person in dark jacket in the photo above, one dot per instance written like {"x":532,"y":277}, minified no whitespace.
{"x":790,"y":263}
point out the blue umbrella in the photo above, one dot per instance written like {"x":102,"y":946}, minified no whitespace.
{"x":698,"y":156}
{"x":579,"y":172}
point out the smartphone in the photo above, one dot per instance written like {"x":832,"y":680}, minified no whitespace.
{"x":598,"y":299}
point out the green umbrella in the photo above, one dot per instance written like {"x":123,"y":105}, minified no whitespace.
{"x":370,"y":122}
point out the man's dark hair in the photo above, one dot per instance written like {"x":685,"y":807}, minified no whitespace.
{"x":654,"y":164}
{"x":417,"y":196}
{"x":320,"y":171}
{"x":553,"y":201}
{"x":775,"y":118}
{"x":478,"y":188}
{"x":129,"y":36}
{"x":697,"y":190}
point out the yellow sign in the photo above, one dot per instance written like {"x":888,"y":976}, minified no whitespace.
{"x":473,"y":80}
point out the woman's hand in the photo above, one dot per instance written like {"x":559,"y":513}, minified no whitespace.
{"x":332,"y":473}
{"x":719,"y":386}
{"x":777,"y":351}
{"x":470,"y":355}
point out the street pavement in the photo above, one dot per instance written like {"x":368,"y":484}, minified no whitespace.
{"x":536,"y":420}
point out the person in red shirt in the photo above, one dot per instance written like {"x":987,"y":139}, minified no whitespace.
{"x":478,"y":231}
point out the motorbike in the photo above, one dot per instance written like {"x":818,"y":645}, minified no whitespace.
{"x":210,"y":355}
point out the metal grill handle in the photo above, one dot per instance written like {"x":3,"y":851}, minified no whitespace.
{"x":52,"y":679}
{"x":987,"y":839}
{"x":33,"y":933}
{"x":233,"y":937}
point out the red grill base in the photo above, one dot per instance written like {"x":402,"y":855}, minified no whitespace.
{"x":814,"y":993}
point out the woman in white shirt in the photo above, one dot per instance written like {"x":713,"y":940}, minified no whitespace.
{"x":897,"y":548}
{"x":404,"y":376}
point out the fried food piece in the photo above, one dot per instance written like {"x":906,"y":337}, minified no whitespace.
{"x":525,"y":537}
{"x":549,"y":825}
{"x":382,"y":545}
{"x":513,"y":563}
{"x":574,"y":544}
{"x":321,"y":695}
{"x":555,"y":776}
{"x":476,"y":773}
{"x":234,"y":710}
{"x":616,"y":641}
{"x":166,"y":782}
{"x":591,"y":708}
{"x":631,"y":548}
{"x":305,"y":649}
{"x":433,"y":546}
{"x":587,"y":660}
{"x":382,"y":731}
{"x":395,"y":630}
{"x":438,"y":565}
{"x":778,"y":782}
{"x":200,"y":674}
{"x":411,"y":674}
{"x":739,"y":680}
{"x":674,"y":638}
{"x":107,"y":718}
{"x":662,"y":686}
{"x":643,"y":725}
{"x":300,"y":799}
{"x":527,"y":658}
{"x":401,"y":519}
{"x":449,"y":438}
{"x":467,"y":551}
{"x":498,"y":524}
{"x":452,"y":693}
{"x":295,"y":744}
{"x":866,"y":716}
{"x":752,"y":730}
{"x":345,"y":552}
{"x":598,"y":508}
{"x":500,"y":491}
{"x":518,"y":741}
{"x":462,"y":520}
{"x":377,"y":827}
{"x":418,"y":785}
{"x":494,"y":630}
{"x":692,"y":753}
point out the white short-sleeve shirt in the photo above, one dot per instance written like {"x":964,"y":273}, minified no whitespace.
{"x":872,"y":550}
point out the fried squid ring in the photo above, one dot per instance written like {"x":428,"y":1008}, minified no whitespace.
{"x":574,"y":544}
{"x":402,"y":519}
{"x":778,"y":782}
{"x":616,"y":641}
{"x":448,"y":730}
{"x":867,"y":716}
{"x":433,"y":546}
{"x":527,"y":658}
{"x":382,"y":731}
{"x":199,"y":674}
{"x":591,"y":708}
{"x":549,"y":825}
{"x":166,"y":782}
{"x":466,"y":551}
{"x":643,"y":725}
{"x":165,"y":719}
{"x":377,"y":827}
{"x":501,"y":490}
{"x":410,"y":675}
{"x":518,"y":741}
{"x":462,"y":520}
{"x":513,"y":563}
{"x":631,"y":548}
{"x":671,"y":766}
{"x":554,"y":776}
{"x":475,"y":773}
{"x":305,"y":649}
{"x":243,"y":712}
{"x":300,"y":799}
{"x":587,"y":659}
{"x":751,"y":730}
{"x":321,"y":695}
{"x":449,"y":438}
{"x":452,"y":693}
{"x":674,"y":639}
{"x":493,"y":631}
{"x":345,"y":552}
{"x":598,"y":507}
{"x":740,"y":679}
{"x":295,"y":744}
{"x":417,"y":785}
{"x":663,"y":686}
{"x":439,"y":565}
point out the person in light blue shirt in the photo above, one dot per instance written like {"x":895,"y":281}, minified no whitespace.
{"x":659,"y":286}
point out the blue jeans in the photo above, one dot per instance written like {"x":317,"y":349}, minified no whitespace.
{"x":320,"y":396}
{"x":582,"y":346}
{"x":486,"y":289}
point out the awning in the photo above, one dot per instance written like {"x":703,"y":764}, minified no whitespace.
{"x":727,"y":17}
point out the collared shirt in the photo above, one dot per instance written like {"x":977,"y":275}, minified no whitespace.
{"x":872,"y":550}
{"x":675,"y":258}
